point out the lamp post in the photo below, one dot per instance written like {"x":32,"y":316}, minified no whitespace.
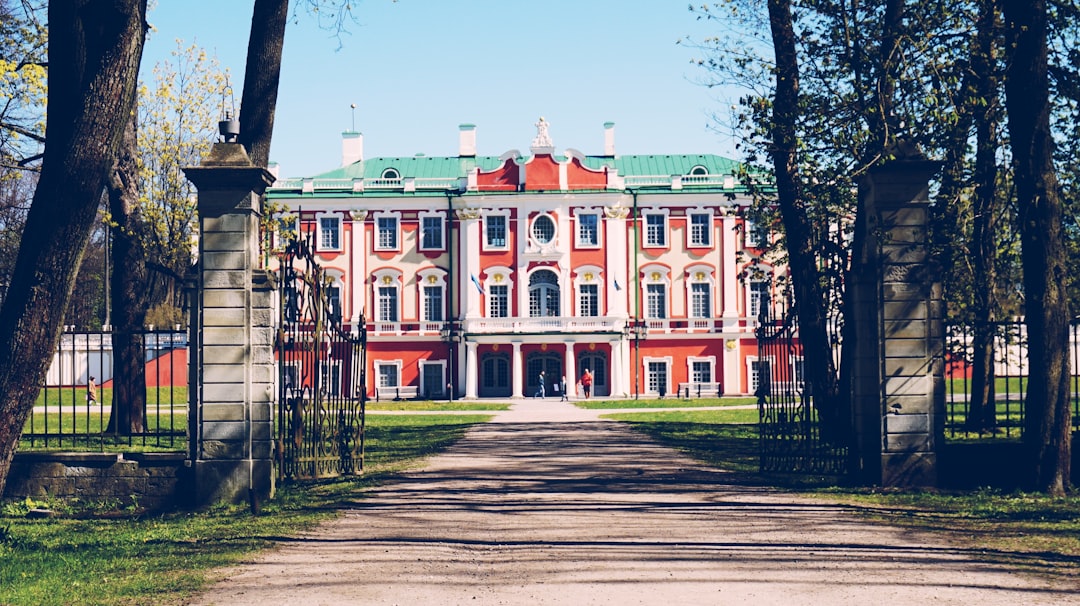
{"x":451,"y":336}
{"x":637,"y":330}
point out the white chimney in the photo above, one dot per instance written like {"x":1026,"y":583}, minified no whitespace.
{"x":467,"y":140}
{"x":609,"y":139}
{"x":352,"y":147}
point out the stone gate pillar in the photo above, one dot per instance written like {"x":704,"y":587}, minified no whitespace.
{"x":898,"y":376}
{"x":232,"y":385}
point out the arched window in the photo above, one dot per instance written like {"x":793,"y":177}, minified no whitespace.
{"x":543,"y":294}
{"x":391,"y":173}
{"x":699,"y":171}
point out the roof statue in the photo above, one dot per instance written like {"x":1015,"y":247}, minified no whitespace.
{"x":543,"y":139}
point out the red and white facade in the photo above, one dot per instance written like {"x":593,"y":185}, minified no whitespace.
{"x":475,"y":273}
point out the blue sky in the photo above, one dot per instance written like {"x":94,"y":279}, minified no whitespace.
{"x":416,"y":69}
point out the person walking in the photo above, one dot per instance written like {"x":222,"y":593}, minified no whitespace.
{"x":91,"y":391}
{"x":586,"y":383}
{"x":540,"y":389}
{"x":562,"y":385}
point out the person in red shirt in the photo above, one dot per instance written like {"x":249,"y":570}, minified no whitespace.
{"x":586,"y":383}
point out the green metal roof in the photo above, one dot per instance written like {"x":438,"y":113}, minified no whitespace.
{"x":422,"y":167}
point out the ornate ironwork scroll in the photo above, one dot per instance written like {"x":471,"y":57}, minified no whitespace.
{"x":790,"y":427}
{"x":321,"y":373}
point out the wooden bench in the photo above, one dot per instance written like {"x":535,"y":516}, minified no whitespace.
{"x":700,"y":390}
{"x":400,"y":392}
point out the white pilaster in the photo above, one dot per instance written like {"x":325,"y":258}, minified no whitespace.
{"x":518,"y":374}
{"x":615,"y":261}
{"x":571,"y":370}
{"x":358,"y":277}
{"x":470,"y":369}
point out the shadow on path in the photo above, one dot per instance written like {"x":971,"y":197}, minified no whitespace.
{"x":563,"y":509}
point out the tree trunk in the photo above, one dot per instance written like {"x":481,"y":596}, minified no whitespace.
{"x":810,"y":303}
{"x":261,"y":76}
{"x":94,"y":51}
{"x":982,"y":412}
{"x":1047,"y":418}
{"x":130,"y":287}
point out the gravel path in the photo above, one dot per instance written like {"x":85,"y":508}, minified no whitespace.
{"x":549,"y":505}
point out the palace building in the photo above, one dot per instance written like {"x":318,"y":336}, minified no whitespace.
{"x":473,"y":274}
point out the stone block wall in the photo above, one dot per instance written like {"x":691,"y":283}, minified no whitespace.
{"x":149,"y":481}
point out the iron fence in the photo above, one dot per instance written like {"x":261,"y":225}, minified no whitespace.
{"x":968,"y":412}
{"x":87,"y":400}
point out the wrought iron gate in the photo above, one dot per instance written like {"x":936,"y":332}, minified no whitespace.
{"x":790,"y":431}
{"x":321,"y":373}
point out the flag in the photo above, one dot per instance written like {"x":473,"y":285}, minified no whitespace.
{"x":475,"y":281}
{"x":617,"y":287}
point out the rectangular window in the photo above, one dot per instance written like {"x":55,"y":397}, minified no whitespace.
{"x":588,"y":230}
{"x":495,"y":231}
{"x":701,"y":371}
{"x":757,"y":234}
{"x":700,"y":229}
{"x":655,"y":230}
{"x":700,"y":303}
{"x":333,"y":299}
{"x":759,"y":294}
{"x":431,"y":233}
{"x":589,"y":300}
{"x":388,"y":304}
{"x":329,"y":233}
{"x":499,"y":301}
{"x":657,"y":377}
{"x":388,"y":375}
{"x":761,"y":377}
{"x":332,"y":377}
{"x":655,"y":301}
{"x":433,"y":304}
{"x":386,"y":236}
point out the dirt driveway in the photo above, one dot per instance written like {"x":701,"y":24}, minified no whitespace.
{"x":548,"y":505}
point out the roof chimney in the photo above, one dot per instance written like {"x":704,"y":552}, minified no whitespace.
{"x":609,"y":139}
{"x":467,"y":140}
{"x":352,"y":147}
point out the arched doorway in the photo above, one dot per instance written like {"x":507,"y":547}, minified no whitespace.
{"x":551,"y":364}
{"x":495,"y":381}
{"x":597,"y":362}
{"x":543,"y":294}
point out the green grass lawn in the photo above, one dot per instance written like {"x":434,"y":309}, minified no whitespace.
{"x":434,"y":405}
{"x":665,"y":403}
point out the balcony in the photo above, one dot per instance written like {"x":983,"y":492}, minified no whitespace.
{"x":566,"y":324}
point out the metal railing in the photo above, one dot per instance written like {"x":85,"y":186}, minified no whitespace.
{"x":1007,"y":387}
{"x":72,"y":414}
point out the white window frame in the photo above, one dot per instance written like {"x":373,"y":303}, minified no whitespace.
{"x":656,"y":275}
{"x":754,"y":234}
{"x":387,"y":278}
{"x":646,"y":241}
{"x":332,"y":221}
{"x":431,"y":278}
{"x":754,"y":298}
{"x":379,"y":364}
{"x":498,"y":276}
{"x":426,"y":216}
{"x":288,"y":228}
{"x":377,"y":240}
{"x":710,"y":360}
{"x":708,"y":233}
{"x":667,"y":361}
{"x":579,"y":241}
{"x":505,"y":215}
{"x":752,"y":371}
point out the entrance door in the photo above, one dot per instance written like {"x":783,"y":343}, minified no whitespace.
{"x":432,"y":384}
{"x":596,"y":362}
{"x":656,"y":377}
{"x":551,"y":364}
{"x":495,"y":376}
